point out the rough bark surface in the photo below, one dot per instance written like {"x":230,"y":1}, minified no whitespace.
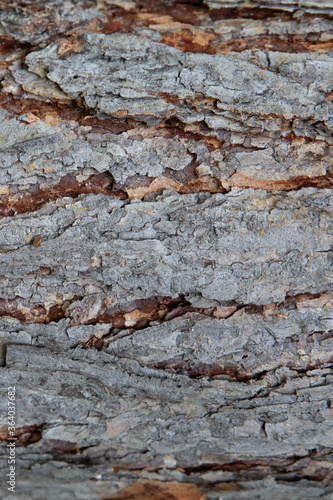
{"x":166,"y":257}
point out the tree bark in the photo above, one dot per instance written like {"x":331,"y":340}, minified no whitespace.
{"x":166,"y":249}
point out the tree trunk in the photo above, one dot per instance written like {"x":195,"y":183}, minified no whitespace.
{"x":166,"y":249}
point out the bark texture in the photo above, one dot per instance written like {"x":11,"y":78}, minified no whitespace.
{"x":166,"y":257}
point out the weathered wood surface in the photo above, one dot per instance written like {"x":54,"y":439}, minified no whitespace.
{"x":166,"y":242}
